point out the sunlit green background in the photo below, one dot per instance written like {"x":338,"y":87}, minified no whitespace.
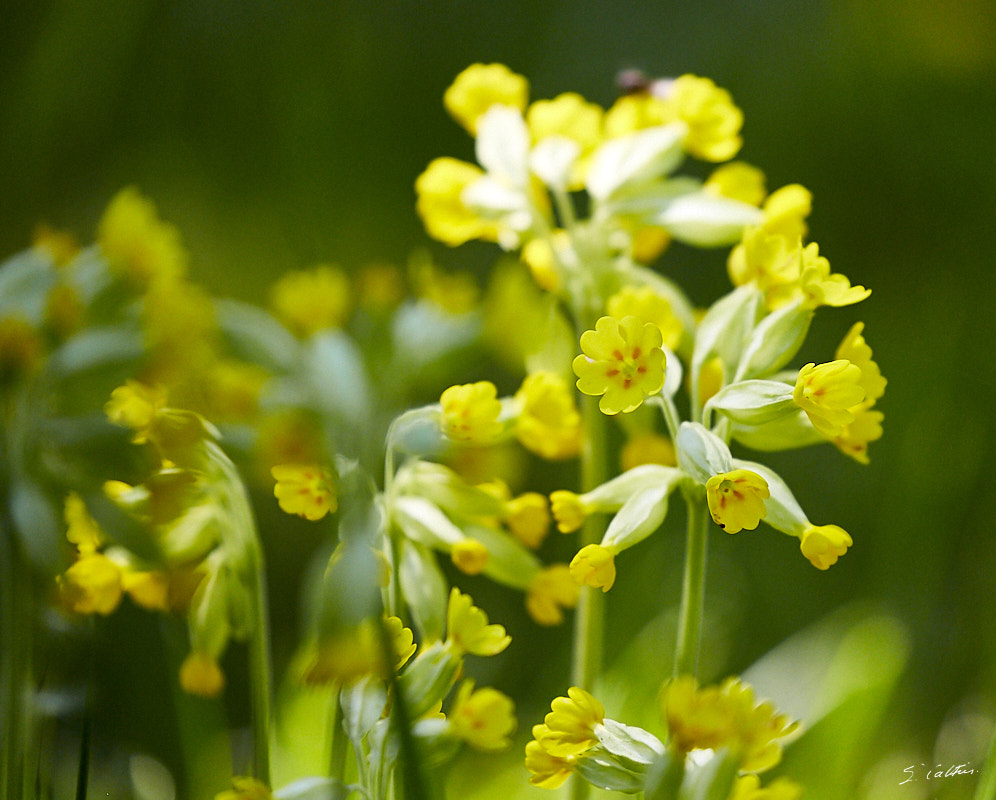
{"x":280,"y":134}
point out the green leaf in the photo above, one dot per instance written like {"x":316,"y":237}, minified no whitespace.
{"x":336,"y":377}
{"x":629,"y":742}
{"x":712,"y":780}
{"x":664,"y":777}
{"x":606,"y":771}
{"x":424,"y":589}
{"x":38,"y":525}
{"x":256,"y":336}
{"x":313,"y":789}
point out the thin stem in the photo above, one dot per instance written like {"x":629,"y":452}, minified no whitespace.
{"x":986,"y":790}
{"x":259,"y":670}
{"x":671,"y":418}
{"x":692,"y":588}
{"x":337,"y":760}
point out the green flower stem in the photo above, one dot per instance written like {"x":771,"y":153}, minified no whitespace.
{"x":16,"y":617}
{"x":693,"y":587}
{"x":340,"y":748}
{"x":259,"y":668}
{"x":986,"y":790}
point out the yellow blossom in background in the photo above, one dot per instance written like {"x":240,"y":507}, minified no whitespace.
{"x":246,"y":789}
{"x":648,"y":243}
{"x":827,"y":393}
{"x":824,"y":544}
{"x":357,"y":651}
{"x":711,"y":379}
{"x":546,"y":770}
{"x":647,"y":448}
{"x":468,"y":630}
{"x":568,"y":510}
{"x":308,"y":301}
{"x":736,"y":500}
{"x":439,"y":202}
{"x":453,"y":292}
{"x":287,"y":437}
{"x":541,"y":258}
{"x":739,"y":181}
{"x":470,"y":413}
{"x":201,"y":675}
{"x":552,"y":590}
{"x":150,"y":590}
{"x":20,"y":347}
{"x":786,"y":210}
{"x":568,"y":115}
{"x":548,"y":422}
{"x":138,"y":246}
{"x":234,"y":390}
{"x":528,"y":518}
{"x":60,"y":246}
{"x":64,"y":310}
{"x":135,"y":406}
{"x":484,"y":718}
{"x":594,"y":565}
{"x":380,"y":287}
{"x":713,"y":120}
{"x":748,"y":787}
{"x":854,"y":438}
{"x":622,"y":361}
{"x":646,"y":305}
{"x":481,"y":86}
{"x":307,"y":490}
{"x":634,"y":112}
{"x":92,"y":585}
{"x":569,"y":728}
{"x":469,"y":556}
{"x":82,"y":529}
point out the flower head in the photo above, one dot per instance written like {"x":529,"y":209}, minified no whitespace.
{"x":622,"y":361}
{"x":201,"y":675}
{"x":92,"y":585}
{"x":138,"y":246}
{"x":246,"y":789}
{"x":357,"y":651}
{"x":307,"y":490}
{"x":82,"y":529}
{"x":440,"y":202}
{"x":820,"y":287}
{"x":855,"y":349}
{"x":568,"y":510}
{"x":528,"y":518}
{"x":548,"y":423}
{"x":546,"y":770}
{"x":736,"y":499}
{"x":647,"y":448}
{"x":469,"y":556}
{"x":827,"y":393}
{"x":646,"y":305}
{"x":470,"y":413}
{"x":569,"y":728}
{"x":824,"y":544}
{"x":468,"y":630}
{"x":738,"y":180}
{"x":594,"y":565}
{"x":484,"y":718}
{"x":552,"y":590}
{"x":135,"y":406}
{"x":481,"y":86}
{"x":713,"y":120}
{"x":312,"y":300}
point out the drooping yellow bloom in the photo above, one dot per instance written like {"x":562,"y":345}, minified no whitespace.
{"x":484,"y":718}
{"x":134,"y":406}
{"x":646,"y":305}
{"x":246,"y":789}
{"x":468,"y":630}
{"x":748,"y":787}
{"x":357,"y":651}
{"x":594,"y":565}
{"x":138,"y":246}
{"x":736,"y":500}
{"x":568,"y":510}
{"x":824,"y":544}
{"x":92,"y":585}
{"x":528,"y":518}
{"x":569,"y":728}
{"x":546,"y":770}
{"x":470,"y":413}
{"x":856,"y":436}
{"x":548,"y":422}
{"x":552,"y":590}
{"x":622,"y":361}
{"x":441,"y":207}
{"x":307,"y":490}
{"x":713,"y":120}
{"x":866,"y":426}
{"x":149,"y":589}
{"x":725,"y":716}
{"x":647,"y":448}
{"x":855,"y":349}
{"x":312,"y":300}
{"x":481,"y":86}
{"x":469,"y":556}
{"x":201,"y":675}
{"x":827,"y":393}
{"x":739,"y":181}
{"x":820,"y":287}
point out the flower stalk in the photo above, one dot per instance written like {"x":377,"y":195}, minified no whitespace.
{"x":686,"y":654}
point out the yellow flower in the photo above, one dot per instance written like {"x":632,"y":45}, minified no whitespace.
{"x":770,"y":262}
{"x":736,"y":499}
{"x":135,"y":406}
{"x":64,"y":310}
{"x":785,"y":212}
{"x":150,"y":590}
{"x":713,"y":120}
{"x":855,"y":436}
{"x":748,"y":787}
{"x":853,"y":348}
{"x":646,"y":305}
{"x":469,"y":556}
{"x":647,"y":448}
{"x":470,"y":413}
{"x":484,"y":718}
{"x":552,"y":590}
{"x":737,"y":180}
{"x":312,"y":300}
{"x":541,"y":258}
{"x":827,"y":393}
{"x":648,"y":242}
{"x":92,"y":585}
{"x":528,"y":518}
{"x":548,"y":422}
{"x":546,"y":770}
{"x":235,"y":388}
{"x":481,"y":86}
{"x":82,"y":529}
{"x":622,"y":361}
{"x":201,"y":675}
{"x":20,"y":347}
{"x":380,"y":287}
{"x":820,"y":287}
{"x":568,"y":510}
{"x":60,"y":246}
{"x":357,"y":651}
{"x":711,"y":379}
{"x":568,"y":115}
{"x":305,"y":489}
{"x":441,"y":207}
{"x":467,"y":628}
{"x":634,"y":112}
{"x":453,"y":292}
{"x":138,"y":246}
{"x":824,"y":544}
{"x":594,"y":565}
{"x":246,"y":789}
{"x":569,"y":728}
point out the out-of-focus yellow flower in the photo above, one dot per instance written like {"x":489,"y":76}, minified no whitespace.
{"x":545,"y":769}
{"x":481,"y":86}
{"x":81,"y":529}
{"x":786,"y":210}
{"x":548,"y":422}
{"x":20,"y":347}
{"x":441,"y":207}
{"x":307,"y":490}
{"x":568,"y":115}
{"x":827,"y":393}
{"x":150,"y":590}
{"x":135,"y":406}
{"x":713,"y":120}
{"x":138,"y":246}
{"x":92,"y":585}
{"x":470,"y":413}
{"x":570,"y":725}
{"x":568,"y":510}
{"x":469,"y":556}
{"x":380,"y":287}
{"x":824,"y":544}
{"x":622,"y":361}
{"x":246,"y":789}
{"x":646,"y":305}
{"x":647,"y":448}
{"x":739,"y":181}
{"x":528,"y":518}
{"x":64,"y":310}
{"x":357,"y":651}
{"x":634,"y":112}
{"x":233,"y":393}
{"x":710,"y":379}
{"x":539,"y":255}
{"x":453,"y":292}
{"x":648,"y":243}
{"x":594,"y":565}
{"x":60,"y":246}
{"x":748,"y":787}
{"x":552,"y":590}
{"x":724,"y":716}
{"x":287,"y":437}
{"x":308,"y":301}
{"x":736,"y":499}
{"x":468,"y":630}
{"x":484,"y":718}
{"x":201,"y":675}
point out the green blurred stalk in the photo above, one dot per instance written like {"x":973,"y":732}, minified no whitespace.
{"x":986,"y":790}
{"x":686,"y":655}
{"x":259,"y":667}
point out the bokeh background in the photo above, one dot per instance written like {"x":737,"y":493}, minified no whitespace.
{"x":281,"y":134}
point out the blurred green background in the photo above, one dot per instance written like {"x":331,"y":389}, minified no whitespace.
{"x":280,"y":134}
